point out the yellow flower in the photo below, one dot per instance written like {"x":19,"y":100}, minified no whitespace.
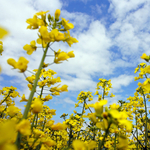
{"x":3,"y":32}
{"x":38,"y":132}
{"x":91,"y":145}
{"x":8,"y":134}
{"x":49,"y":142}
{"x":70,"y":40}
{"x":114,"y":106}
{"x":64,"y":88}
{"x":49,"y":123}
{"x":112,"y":95}
{"x":123,"y":143}
{"x":23,"y":98}
{"x":37,"y":106}
{"x":2,"y":107}
{"x":59,"y":126}
{"x":24,"y":127}
{"x":47,"y":97}
{"x":145,"y":57}
{"x":57,"y":14}
{"x":71,"y":54}
{"x":52,"y":111}
{"x":127,"y":123}
{"x":103,"y":124}
{"x":61,"y":57}
{"x":98,"y":106}
{"x":44,"y":34}
{"x":78,"y":145}
{"x":34,"y":22}
{"x":22,"y":64}
{"x":13,"y":110}
{"x":30,"y":48}
{"x":67,"y":26}
{"x":12,"y":62}
{"x":1,"y":47}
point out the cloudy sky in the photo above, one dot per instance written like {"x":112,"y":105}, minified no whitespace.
{"x":112,"y":36}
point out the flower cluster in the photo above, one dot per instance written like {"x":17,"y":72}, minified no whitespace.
{"x":124,"y":125}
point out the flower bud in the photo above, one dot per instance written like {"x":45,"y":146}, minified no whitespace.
{"x":57,"y":14}
{"x":49,"y":17}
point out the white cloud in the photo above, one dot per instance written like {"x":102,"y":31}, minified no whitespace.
{"x":122,"y":8}
{"x":122,"y":80}
{"x":130,"y":31}
{"x":69,"y":101}
{"x":96,"y":9}
{"x":93,"y":54}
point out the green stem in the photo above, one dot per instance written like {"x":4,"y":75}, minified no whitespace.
{"x":35,"y":84}
{"x":70,"y":136}
{"x":6,"y":96}
{"x":106,"y":133}
{"x":32,"y":93}
{"x":36,"y":120}
{"x":146,"y":121}
{"x":115,"y":141}
{"x":33,"y":123}
{"x":103,"y":93}
{"x":82,"y":113}
{"x":137,"y":144}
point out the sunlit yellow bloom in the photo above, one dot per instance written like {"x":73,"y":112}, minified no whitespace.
{"x":103,"y":124}
{"x":8,"y":146}
{"x":30,"y":86}
{"x":57,"y":14}
{"x":3,"y":32}
{"x":127,"y":123}
{"x":98,"y":106}
{"x":123,"y":143}
{"x":42,"y":83}
{"x":91,"y":145}
{"x":52,"y":111}
{"x":59,"y":126}
{"x":12,"y":62}
{"x":23,"y":98}
{"x":47,"y":97}
{"x":22,"y":64}
{"x":78,"y":145}
{"x":1,"y":47}
{"x":60,"y":37}
{"x":49,"y":142}
{"x":34,"y":22}
{"x":38,"y":132}
{"x":30,"y":48}
{"x":64,"y":88}
{"x":13,"y":110}
{"x":37,"y":106}
{"x":8,"y":134}
{"x":40,"y":41}
{"x":114,"y":106}
{"x":24,"y":127}
{"x":67,"y":26}
{"x":144,"y":56}
{"x":71,"y":54}
{"x":70,"y":40}
{"x":2,"y":107}
{"x":112,"y":95}
{"x":61,"y":57}
{"x":49,"y":123}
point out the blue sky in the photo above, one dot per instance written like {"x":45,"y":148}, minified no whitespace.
{"x":112,"y":36}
